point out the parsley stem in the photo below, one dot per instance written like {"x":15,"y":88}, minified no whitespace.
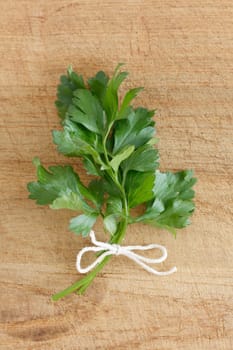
{"x":111,"y":173}
{"x":81,"y":285}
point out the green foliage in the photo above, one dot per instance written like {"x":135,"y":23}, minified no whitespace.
{"x":74,"y":140}
{"x":139,"y":187}
{"x":82,"y":224}
{"x":87,"y":111}
{"x":120,"y":157}
{"x":136,"y":129}
{"x":113,"y":214}
{"x":144,"y":159}
{"x":125,"y":106}
{"x":98,"y":85}
{"x":116,"y":143}
{"x":60,"y":187}
{"x":65,"y":90}
{"x":172,"y":204}
{"x":110,"y":98}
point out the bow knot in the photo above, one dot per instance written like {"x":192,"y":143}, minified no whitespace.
{"x":116,"y":249}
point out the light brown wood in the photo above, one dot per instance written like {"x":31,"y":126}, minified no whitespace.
{"x":182,"y":52}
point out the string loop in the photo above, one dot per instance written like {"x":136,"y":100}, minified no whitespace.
{"x":116,"y":249}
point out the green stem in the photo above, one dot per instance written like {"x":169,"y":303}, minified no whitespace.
{"x":114,"y":176}
{"x":83,"y":284}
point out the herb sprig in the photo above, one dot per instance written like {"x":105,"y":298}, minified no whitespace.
{"x":116,"y":143}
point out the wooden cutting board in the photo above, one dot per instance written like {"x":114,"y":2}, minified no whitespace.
{"x":182,"y":52}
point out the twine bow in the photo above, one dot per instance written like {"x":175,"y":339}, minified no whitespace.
{"x":116,"y":249}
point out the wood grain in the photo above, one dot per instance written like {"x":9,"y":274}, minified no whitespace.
{"x":182,"y":52}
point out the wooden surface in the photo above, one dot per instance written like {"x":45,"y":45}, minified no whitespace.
{"x":182,"y":52}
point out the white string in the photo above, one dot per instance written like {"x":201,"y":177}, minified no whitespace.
{"x":116,"y":249}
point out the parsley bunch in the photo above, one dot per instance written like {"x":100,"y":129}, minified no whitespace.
{"x":116,"y":144}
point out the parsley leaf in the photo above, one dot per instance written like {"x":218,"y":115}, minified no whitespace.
{"x":87,"y":111}
{"x":98,"y":85}
{"x":96,"y":188}
{"x":65,"y":91}
{"x":139,"y":187}
{"x":172,"y":204}
{"x":110,"y":99}
{"x":125,"y":106}
{"x":144,"y":159}
{"x":75,"y":140}
{"x":83,"y":224}
{"x":136,"y":129}
{"x":60,"y":187}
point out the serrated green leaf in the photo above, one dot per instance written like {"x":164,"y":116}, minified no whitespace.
{"x":139,"y":187}
{"x":83,"y":224}
{"x":172,"y":205}
{"x":129,"y":96}
{"x":87,"y":111}
{"x":65,"y":91}
{"x":120,"y":157}
{"x":60,"y":187}
{"x":170,"y":185}
{"x":76,"y":79}
{"x":74,"y":140}
{"x":110,"y":99}
{"x":68,"y":200}
{"x":136,"y":130}
{"x":52,"y":182}
{"x":144,"y":159}
{"x":98,"y":85}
